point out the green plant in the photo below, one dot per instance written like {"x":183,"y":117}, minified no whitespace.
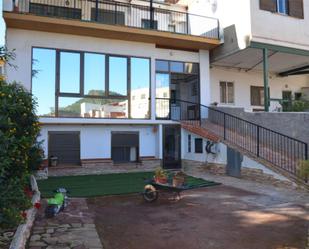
{"x":19,"y":128}
{"x":303,"y":171}
{"x":160,"y":173}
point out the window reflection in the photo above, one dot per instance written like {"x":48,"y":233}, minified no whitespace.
{"x":118,"y":76}
{"x":94,"y":75}
{"x":93,"y":108}
{"x":140,"y":88}
{"x":162,"y":95}
{"x":69,"y":72}
{"x":43,"y":80}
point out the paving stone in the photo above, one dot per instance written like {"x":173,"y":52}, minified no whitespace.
{"x":37,"y":243}
{"x":76,"y":225}
{"x":89,"y":225}
{"x":50,"y":230}
{"x":92,"y":242}
{"x":75,"y":243}
{"x":50,"y":241}
{"x":35,"y":237}
{"x":58,"y":247}
{"x":65,"y":225}
{"x":61,"y":229}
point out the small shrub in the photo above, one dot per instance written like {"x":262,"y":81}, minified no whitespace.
{"x":19,"y":129}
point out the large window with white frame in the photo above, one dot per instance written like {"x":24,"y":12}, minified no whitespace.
{"x":90,"y":85}
{"x":226,"y":92}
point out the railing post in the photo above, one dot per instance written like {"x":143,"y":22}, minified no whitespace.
{"x":306,"y":151}
{"x":187,"y":22}
{"x":258,"y":141}
{"x":151,"y":14}
{"x":218,"y":27}
{"x":224,"y":126}
{"x":96,"y":10}
{"x":115,"y":12}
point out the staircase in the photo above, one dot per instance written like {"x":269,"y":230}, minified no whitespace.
{"x":275,"y":150}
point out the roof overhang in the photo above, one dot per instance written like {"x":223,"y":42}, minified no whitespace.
{"x":77,"y":27}
{"x":281,"y":62}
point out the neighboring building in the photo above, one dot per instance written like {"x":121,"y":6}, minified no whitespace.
{"x":279,"y":28}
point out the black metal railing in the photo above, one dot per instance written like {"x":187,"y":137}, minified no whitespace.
{"x":282,"y":151}
{"x":124,"y":14}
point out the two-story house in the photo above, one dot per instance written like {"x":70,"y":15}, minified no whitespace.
{"x":132,"y":81}
{"x":265,"y":56}
{"x":106,"y":75}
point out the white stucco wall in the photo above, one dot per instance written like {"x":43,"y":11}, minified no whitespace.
{"x":200,"y":157}
{"x":243,"y":80}
{"x":95,"y":141}
{"x":280,"y":29}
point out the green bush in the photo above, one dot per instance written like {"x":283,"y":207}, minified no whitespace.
{"x":19,"y":128}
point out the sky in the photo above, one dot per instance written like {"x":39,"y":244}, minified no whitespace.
{"x":2,"y":26}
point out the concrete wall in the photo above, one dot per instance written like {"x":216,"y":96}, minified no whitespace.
{"x":279,"y":29}
{"x":95,"y":141}
{"x":289,"y":123}
{"x":243,"y":80}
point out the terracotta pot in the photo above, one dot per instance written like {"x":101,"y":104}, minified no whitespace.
{"x":178,"y":181}
{"x":162,"y":180}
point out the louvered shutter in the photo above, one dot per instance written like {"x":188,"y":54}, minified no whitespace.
{"x":270,"y":5}
{"x":296,"y":8}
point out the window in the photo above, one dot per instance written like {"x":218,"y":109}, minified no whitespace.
{"x":140,"y":86}
{"x":44,"y":80}
{"x":189,"y":143}
{"x":257,"y":95}
{"x":162,"y":66}
{"x":198,"y":145}
{"x":90,"y":85}
{"x":125,"y":147}
{"x":94,"y":74}
{"x":146,"y":24}
{"x":69,"y":72}
{"x":177,"y":67}
{"x":297,"y":96}
{"x":118,"y":76}
{"x":293,"y":8}
{"x":226,"y":92}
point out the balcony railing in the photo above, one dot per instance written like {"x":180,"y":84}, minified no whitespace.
{"x":124,"y":14}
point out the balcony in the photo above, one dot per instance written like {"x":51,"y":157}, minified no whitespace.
{"x":117,"y":20}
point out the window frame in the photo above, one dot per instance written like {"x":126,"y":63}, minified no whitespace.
{"x":81,"y":94}
{"x":226,"y":102}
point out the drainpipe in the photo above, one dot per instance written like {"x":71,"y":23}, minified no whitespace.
{"x":266,"y":76}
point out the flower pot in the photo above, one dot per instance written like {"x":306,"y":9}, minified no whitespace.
{"x":159,"y":179}
{"x":178,"y":181}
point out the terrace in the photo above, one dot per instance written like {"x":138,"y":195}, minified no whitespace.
{"x":120,"y":20}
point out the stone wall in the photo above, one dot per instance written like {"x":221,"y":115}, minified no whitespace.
{"x":99,"y":167}
{"x":250,"y":174}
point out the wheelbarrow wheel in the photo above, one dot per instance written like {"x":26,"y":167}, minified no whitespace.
{"x":150,"y":193}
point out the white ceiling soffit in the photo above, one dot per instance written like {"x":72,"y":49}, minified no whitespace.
{"x":252,"y":59}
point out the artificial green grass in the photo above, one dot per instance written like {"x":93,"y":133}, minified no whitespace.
{"x":109,"y":184}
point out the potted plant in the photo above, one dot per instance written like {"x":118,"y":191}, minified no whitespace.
{"x":303,"y":171}
{"x":179,"y":179}
{"x":160,"y":176}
